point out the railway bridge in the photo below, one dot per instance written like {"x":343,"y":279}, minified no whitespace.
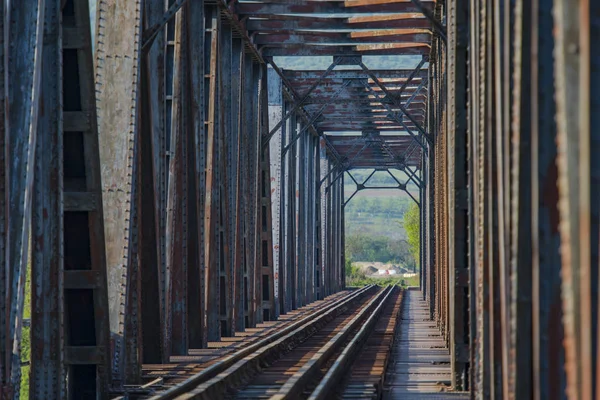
{"x":172,"y":198}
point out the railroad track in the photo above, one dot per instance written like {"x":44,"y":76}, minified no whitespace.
{"x":161,"y":376}
{"x":343,"y":342}
{"x":185,"y":373}
{"x":365,"y":379}
{"x":306,"y":359}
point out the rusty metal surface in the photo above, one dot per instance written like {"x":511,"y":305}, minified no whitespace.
{"x":47,"y":378}
{"x":221,"y":211}
{"x":222,"y":366}
{"x":117,"y":78}
{"x":311,"y":344}
{"x":22,"y":65}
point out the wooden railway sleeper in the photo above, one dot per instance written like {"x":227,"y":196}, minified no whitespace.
{"x":297,"y":382}
{"x":217,"y":372}
{"x":246,"y":368}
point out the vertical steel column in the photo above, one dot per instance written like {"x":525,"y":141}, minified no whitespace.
{"x":4,"y":175}
{"x":422,"y":225}
{"x":318,"y":238}
{"x":152,"y":193}
{"x":196,"y":287}
{"x":86,"y":320}
{"x":503,"y":44}
{"x":457,"y":182}
{"x":327,"y":243}
{"x":253,"y":242}
{"x":286,"y":235}
{"x":332,"y":238}
{"x":324,"y":238}
{"x":576,"y":61}
{"x":265,"y":225}
{"x":47,"y":378}
{"x":177,"y":240}
{"x":337,"y":201}
{"x":250,"y":193}
{"x":302,"y":215}
{"x":118,"y":47}
{"x":22,"y":66}
{"x":490,"y":196}
{"x":519,"y":380}
{"x":473,"y":112}
{"x":211,"y":204}
{"x":548,"y":377}
{"x":233,"y":179}
{"x":293,"y":213}
{"x":485,"y":378}
{"x":238,"y":206}
{"x":430,"y":190}
{"x":342,"y":252}
{"x":312,"y":220}
{"x":257,"y":196}
{"x":275,"y":94}
{"x":225,"y":225}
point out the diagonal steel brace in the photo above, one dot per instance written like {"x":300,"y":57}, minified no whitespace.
{"x":314,"y":118}
{"x":300,"y":102}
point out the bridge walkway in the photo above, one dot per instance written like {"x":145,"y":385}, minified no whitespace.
{"x":420,"y":365}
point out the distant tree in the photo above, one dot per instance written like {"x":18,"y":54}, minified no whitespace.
{"x":412,"y":226}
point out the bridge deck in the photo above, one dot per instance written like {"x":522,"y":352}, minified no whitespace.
{"x":420,"y":367}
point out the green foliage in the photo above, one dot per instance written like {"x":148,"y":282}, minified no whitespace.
{"x":412,"y":227}
{"x":26,"y":338}
{"x":365,"y":247}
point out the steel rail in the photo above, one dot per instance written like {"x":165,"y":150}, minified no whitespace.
{"x":344,"y":360}
{"x":233,"y":362}
{"x":298,"y":382}
{"x":170,"y":374}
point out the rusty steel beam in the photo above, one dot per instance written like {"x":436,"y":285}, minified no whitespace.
{"x":177,"y":203}
{"x":306,"y":7}
{"x":331,"y":50}
{"x":275,"y":98}
{"x":298,"y":23}
{"x":298,"y":104}
{"x":577,"y":138}
{"x":153,"y":195}
{"x":357,"y":101}
{"x":339,"y":39}
{"x":23,"y":67}
{"x":225,"y":229}
{"x":293,"y":75}
{"x":118,"y":50}
{"x":439,"y":28}
{"x":47,"y":306}
{"x":86,"y":317}
{"x":4,"y":321}
{"x":237,"y":94}
{"x":457,"y":196}
{"x":211,"y":257}
{"x":197,"y":337}
{"x":547,"y":333}
{"x":266,"y":257}
{"x":150,"y":33}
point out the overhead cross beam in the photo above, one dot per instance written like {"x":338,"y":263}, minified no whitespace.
{"x":298,"y":103}
{"x":362,"y":186}
{"x":394,"y":100}
{"x":261,"y":9}
{"x":313,"y":119}
{"x":439,"y":28}
{"x":297,"y":23}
